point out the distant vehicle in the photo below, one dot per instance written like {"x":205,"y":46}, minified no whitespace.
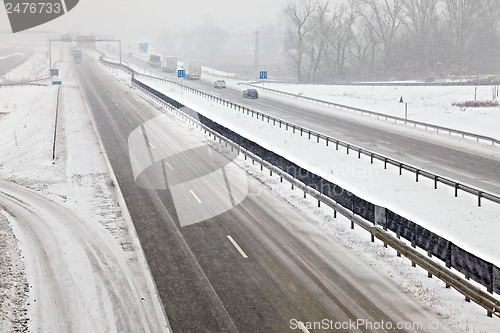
{"x":193,"y":70}
{"x":250,"y":93}
{"x":154,"y":61}
{"x":220,"y":84}
{"x":169,"y":64}
{"x":77,"y":56}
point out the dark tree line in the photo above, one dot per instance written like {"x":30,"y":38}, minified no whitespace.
{"x":392,"y":39}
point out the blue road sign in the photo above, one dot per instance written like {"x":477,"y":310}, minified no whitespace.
{"x":181,"y":73}
{"x":143,"y":47}
{"x":263,"y":74}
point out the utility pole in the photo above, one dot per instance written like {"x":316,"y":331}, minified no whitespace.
{"x":256,"y":58}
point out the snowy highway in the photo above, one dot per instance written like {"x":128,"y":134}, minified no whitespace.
{"x":442,"y":157}
{"x":446,"y":157}
{"x":255,"y":267}
{"x":478,"y":168}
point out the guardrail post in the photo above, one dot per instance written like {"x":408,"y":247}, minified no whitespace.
{"x":352,"y":224}
{"x":456,"y":190}
{"x":327,"y":141}
{"x":317,"y":141}
{"x":400,"y":169}
{"x":347,"y":149}
{"x":309,"y":135}
{"x":336,"y":145}
{"x":286,"y":128}
{"x":479,"y":195}
{"x":398,"y":236}
{"x":416,"y":175}
{"x":435,"y":182}
{"x":429,"y":274}
{"x":359,"y":153}
{"x":371,"y":158}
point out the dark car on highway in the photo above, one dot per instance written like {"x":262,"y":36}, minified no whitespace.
{"x":250,"y":93}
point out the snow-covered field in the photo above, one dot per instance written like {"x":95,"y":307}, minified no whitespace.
{"x":429,"y":104}
{"x":82,"y":256}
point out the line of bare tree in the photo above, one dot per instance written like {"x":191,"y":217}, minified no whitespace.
{"x":392,"y":39}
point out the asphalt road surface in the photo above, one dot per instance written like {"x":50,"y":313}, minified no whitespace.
{"x":256,"y":267}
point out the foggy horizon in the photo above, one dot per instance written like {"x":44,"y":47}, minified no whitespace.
{"x":151,"y":17}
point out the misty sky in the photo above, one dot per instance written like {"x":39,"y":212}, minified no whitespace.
{"x":142,"y":17}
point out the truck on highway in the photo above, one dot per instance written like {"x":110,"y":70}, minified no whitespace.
{"x":77,"y":56}
{"x":193,"y":70}
{"x":154,"y":61}
{"x":169,"y":64}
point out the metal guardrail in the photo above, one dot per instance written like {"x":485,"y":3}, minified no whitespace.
{"x":21,"y":84}
{"x":31,"y":83}
{"x":438,"y":129}
{"x":397,"y":84}
{"x":480,"y":194}
{"x":471,"y":292}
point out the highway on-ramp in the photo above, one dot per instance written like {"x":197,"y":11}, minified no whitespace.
{"x":246,"y":262}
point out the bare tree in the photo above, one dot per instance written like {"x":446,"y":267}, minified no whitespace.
{"x":363,"y":49}
{"x":384,"y":17}
{"x":422,"y":23}
{"x":318,"y":47}
{"x":463,"y":17}
{"x":344,"y":34}
{"x":422,"y":18}
{"x":299,"y":17}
